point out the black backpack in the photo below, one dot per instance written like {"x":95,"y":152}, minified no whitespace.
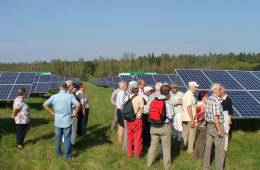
{"x":157,"y":111}
{"x":128,"y":110}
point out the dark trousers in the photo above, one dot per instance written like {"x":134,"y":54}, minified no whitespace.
{"x":82,"y":123}
{"x":200,"y":143}
{"x":146,"y":129}
{"x":20,"y":133}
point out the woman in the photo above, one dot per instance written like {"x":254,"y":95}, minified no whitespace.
{"x":177,"y":99}
{"x":200,"y":124}
{"x":21,"y":115}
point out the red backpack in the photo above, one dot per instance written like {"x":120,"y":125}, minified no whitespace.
{"x":157,"y":111}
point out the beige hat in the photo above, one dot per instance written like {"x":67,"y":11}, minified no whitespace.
{"x":193,"y":83}
{"x":130,"y":83}
{"x":147,"y":88}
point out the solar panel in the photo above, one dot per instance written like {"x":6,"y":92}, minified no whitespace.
{"x":8,"y":77}
{"x":163,"y":78}
{"x":116,"y":79}
{"x":183,"y":89}
{"x":14,"y":92}
{"x":194,"y":75}
{"x":244,"y":103}
{"x":62,"y":78}
{"x":54,"y":86}
{"x":126,"y":78}
{"x":34,"y":87}
{"x":256,"y":73}
{"x":45,"y":78}
{"x":246,"y":79}
{"x":55,"y":79}
{"x":222,"y":77}
{"x":110,"y":84}
{"x":42,"y":88}
{"x":110,"y":79}
{"x":5,"y":91}
{"x":115,"y":85}
{"x":148,"y":78}
{"x":256,"y":95}
{"x":25,"y":78}
{"x":175,"y":79}
{"x":37,"y":77}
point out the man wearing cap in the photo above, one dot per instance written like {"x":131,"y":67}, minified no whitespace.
{"x":84,"y":111}
{"x":61,"y":103}
{"x":147,"y":92}
{"x":135,"y":128}
{"x":189,"y":111}
{"x":127,"y":93}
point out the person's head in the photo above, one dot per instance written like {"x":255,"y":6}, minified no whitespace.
{"x":134,"y":87}
{"x":122,"y":85}
{"x":22,"y":92}
{"x":141,"y":84}
{"x":69,"y":85}
{"x":165,"y":83}
{"x":222,"y":91}
{"x":75,"y":88}
{"x":148,"y":90}
{"x":174,"y":87}
{"x":81,"y":87}
{"x":215,"y":89}
{"x":63,"y":86}
{"x":193,"y":86}
{"x":203,"y":95}
{"x":130,"y":84}
{"x":165,"y":90}
{"x":158,"y":86}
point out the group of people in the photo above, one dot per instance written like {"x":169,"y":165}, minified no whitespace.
{"x":210,"y":117}
{"x":69,"y":103}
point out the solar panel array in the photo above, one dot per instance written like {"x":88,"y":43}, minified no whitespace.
{"x":243,"y":87}
{"x":10,"y":82}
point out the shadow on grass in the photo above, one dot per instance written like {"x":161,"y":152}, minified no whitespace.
{"x":8,"y":126}
{"x":97,"y":136}
{"x":34,"y":141}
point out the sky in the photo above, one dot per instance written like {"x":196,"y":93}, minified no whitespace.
{"x":63,"y":29}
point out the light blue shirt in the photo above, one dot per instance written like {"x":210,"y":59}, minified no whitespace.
{"x":62,"y":104}
{"x":119,"y":99}
{"x":169,"y":108}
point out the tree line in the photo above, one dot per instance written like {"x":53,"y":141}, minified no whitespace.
{"x":163,"y":64}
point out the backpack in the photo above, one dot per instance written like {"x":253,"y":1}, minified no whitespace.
{"x":128,"y":110}
{"x":157,"y":111}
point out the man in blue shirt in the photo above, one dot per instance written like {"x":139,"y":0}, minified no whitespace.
{"x":63,"y":117}
{"x":161,"y":131}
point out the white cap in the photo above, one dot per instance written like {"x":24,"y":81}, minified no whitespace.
{"x":193,"y":83}
{"x":130,"y":83}
{"x":147,"y":88}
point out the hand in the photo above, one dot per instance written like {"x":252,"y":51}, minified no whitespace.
{"x":53,"y":114}
{"x":175,"y":104}
{"x":192,"y":124}
{"x":73,"y":116}
{"x":230,"y":122}
{"x":196,"y":125}
{"x":220,"y":134}
{"x":12,"y":116}
{"x":84,"y":115}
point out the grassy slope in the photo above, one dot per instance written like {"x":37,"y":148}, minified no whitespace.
{"x":100,"y":149}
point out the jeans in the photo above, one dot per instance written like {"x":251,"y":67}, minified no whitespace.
{"x":82,"y":123}
{"x":67,"y":145}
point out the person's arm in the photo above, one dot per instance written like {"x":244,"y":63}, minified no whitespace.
{"x":15,"y":111}
{"x":76,"y":111}
{"x":191,"y":116}
{"x":47,"y":108}
{"x":177,"y":103}
{"x":216,"y":121}
{"x":230,"y":111}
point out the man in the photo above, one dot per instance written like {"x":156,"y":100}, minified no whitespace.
{"x":226,"y":103}
{"x":141,"y":84}
{"x":84,"y":112}
{"x":215,"y":129}
{"x":161,"y":132}
{"x":119,"y":102}
{"x":147,"y":92}
{"x":189,"y":111}
{"x":135,"y":128}
{"x":61,"y":103}
{"x":113,"y":101}
{"x":74,"y":89}
{"x":155,"y":94}
{"x":126,"y":94}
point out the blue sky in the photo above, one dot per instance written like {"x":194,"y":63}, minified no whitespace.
{"x":63,"y":29}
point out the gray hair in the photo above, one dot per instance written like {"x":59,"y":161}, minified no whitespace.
{"x":223,"y":88}
{"x":175,"y":85}
{"x":21,"y":90}
{"x":134,"y":90}
{"x":121,"y":84}
{"x":69,"y":83}
{"x":214,"y":86}
{"x":158,"y":86}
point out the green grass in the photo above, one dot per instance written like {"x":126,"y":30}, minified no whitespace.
{"x":100,"y":149}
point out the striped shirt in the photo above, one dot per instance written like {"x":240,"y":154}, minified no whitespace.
{"x":169,"y":108}
{"x":213,"y":108}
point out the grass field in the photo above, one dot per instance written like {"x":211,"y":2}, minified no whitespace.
{"x":100,"y":149}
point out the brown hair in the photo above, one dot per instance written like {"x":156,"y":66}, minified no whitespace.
{"x":165,"y":90}
{"x":202,"y":93}
{"x":79,"y":86}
